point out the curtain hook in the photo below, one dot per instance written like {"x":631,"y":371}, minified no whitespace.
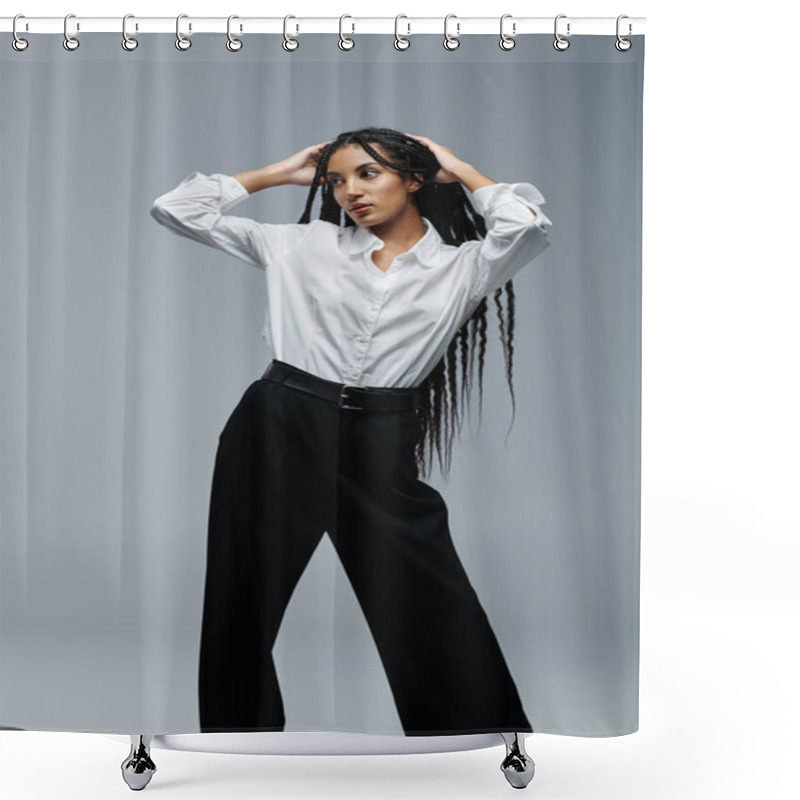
{"x":399,"y":42}
{"x":506,"y":42}
{"x":182,"y":43}
{"x":289,"y":43}
{"x":233,"y":44}
{"x":128,"y":42}
{"x":560,"y":42}
{"x":451,"y":42}
{"x":623,"y":44}
{"x":70,"y":42}
{"x":18,"y":43}
{"x":344,"y":42}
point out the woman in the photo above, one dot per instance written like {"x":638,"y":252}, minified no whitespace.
{"x":364,"y":320}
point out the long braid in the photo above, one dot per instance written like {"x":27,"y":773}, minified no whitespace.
{"x":510,"y":353}
{"x":448,"y":208}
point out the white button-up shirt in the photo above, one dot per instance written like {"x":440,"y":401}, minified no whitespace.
{"x":331,"y":310}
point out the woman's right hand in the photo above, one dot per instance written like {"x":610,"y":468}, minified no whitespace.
{"x":300,"y":168}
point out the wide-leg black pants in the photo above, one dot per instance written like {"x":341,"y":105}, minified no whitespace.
{"x":290,"y":466}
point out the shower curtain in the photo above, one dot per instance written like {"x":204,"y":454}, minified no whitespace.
{"x":212,"y":518}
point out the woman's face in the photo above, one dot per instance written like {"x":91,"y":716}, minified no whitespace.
{"x":358,"y":180}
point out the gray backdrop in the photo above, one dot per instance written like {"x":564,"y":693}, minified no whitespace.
{"x":125,"y":348}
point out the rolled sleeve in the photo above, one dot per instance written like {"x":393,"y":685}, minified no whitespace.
{"x":196,"y":208}
{"x":514,"y":235}
{"x":488,"y":199}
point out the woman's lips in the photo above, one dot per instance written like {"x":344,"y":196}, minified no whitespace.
{"x":361,"y":209}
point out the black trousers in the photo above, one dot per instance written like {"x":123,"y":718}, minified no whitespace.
{"x":292,"y":465}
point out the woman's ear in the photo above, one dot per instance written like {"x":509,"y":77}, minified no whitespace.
{"x":414,"y":182}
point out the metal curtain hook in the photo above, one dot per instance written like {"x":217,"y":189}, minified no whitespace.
{"x":560,"y":42}
{"x":70,"y":42}
{"x":289,"y":43}
{"x":18,"y":43}
{"x":344,"y":42}
{"x":128,"y":42}
{"x":233,"y":44}
{"x":181,"y":42}
{"x":623,"y":44}
{"x":399,"y":42}
{"x":506,"y":42}
{"x":451,"y":42}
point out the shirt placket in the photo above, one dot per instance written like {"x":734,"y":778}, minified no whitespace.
{"x":363,"y":337}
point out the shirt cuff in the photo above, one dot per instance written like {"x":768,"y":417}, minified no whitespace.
{"x":232,"y":191}
{"x":227,"y":188}
{"x":491,"y":197}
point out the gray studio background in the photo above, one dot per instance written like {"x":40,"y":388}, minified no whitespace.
{"x":124,"y":348}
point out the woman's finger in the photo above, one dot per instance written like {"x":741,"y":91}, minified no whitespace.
{"x":424,"y":140}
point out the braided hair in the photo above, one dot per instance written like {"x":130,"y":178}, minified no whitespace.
{"x":449,"y":210}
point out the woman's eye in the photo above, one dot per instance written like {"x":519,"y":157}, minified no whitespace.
{"x":334,"y":181}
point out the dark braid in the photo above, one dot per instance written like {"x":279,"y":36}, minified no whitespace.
{"x":448,"y":208}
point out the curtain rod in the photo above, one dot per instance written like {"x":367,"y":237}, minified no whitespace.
{"x":407,"y":25}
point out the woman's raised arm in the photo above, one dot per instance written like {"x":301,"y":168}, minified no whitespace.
{"x":516,"y":232}
{"x":297,"y":169}
{"x":196,"y":208}
{"x":263,"y":178}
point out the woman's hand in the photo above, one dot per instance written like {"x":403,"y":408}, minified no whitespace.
{"x":450,"y":164}
{"x":301,"y":167}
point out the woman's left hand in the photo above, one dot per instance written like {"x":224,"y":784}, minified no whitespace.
{"x":449,"y":162}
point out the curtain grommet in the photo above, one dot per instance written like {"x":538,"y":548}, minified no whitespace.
{"x":507,"y":42}
{"x":70,"y":42}
{"x":181,"y":42}
{"x":451,"y":42}
{"x":17,"y":42}
{"x":233,"y":44}
{"x":289,"y":44}
{"x":346,"y":43}
{"x":129,"y":43}
{"x":401,"y":43}
{"x":560,"y":43}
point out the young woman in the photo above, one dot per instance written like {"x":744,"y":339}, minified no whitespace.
{"x":367,"y":320}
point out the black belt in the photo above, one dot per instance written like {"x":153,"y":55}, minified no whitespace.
{"x":357,"y":398}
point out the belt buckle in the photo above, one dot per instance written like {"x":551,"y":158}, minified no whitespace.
{"x":342,"y":398}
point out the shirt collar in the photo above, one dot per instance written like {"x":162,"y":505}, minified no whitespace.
{"x":426,"y":250}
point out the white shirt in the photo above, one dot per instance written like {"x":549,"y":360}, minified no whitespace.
{"x":331,"y":310}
